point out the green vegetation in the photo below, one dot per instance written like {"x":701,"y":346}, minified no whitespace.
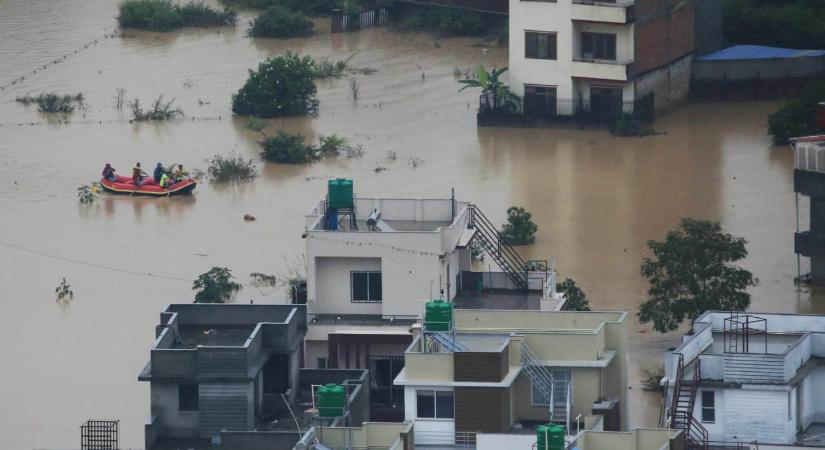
{"x":493,"y":88}
{"x":314,"y":8}
{"x":628,"y":125}
{"x":282,"y":86}
{"x":691,"y":272}
{"x":163,"y":15}
{"x":798,"y":116}
{"x":256,"y":125}
{"x":779,"y":23}
{"x":447,"y":21}
{"x":86,"y":194}
{"x":52,"y":103}
{"x":288,"y":148}
{"x":215,"y":286}
{"x":64,"y":291}
{"x":279,"y":22}
{"x":159,"y":111}
{"x":334,"y":145}
{"x":231,"y":168}
{"x":575,"y":298}
{"x":519,"y":229}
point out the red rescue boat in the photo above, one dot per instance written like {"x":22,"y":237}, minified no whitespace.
{"x":125,"y":185}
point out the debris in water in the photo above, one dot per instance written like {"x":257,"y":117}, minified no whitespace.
{"x":248,"y":217}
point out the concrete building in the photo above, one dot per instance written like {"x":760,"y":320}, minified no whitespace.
{"x":505,"y":371}
{"x":749,"y":378}
{"x":599,"y":58}
{"x":225,"y":375}
{"x":369,"y":276}
{"x":809,"y":181}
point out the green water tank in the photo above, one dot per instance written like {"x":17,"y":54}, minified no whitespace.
{"x":550,"y":437}
{"x":339,"y":193}
{"x":438,"y":315}
{"x":331,"y":400}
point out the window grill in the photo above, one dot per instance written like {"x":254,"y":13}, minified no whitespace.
{"x":99,"y":435}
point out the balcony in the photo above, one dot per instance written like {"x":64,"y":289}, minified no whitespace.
{"x":616,"y":11}
{"x":600,"y":69}
{"x":809,"y":244}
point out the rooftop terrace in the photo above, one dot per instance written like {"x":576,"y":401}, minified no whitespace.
{"x":397,"y":215}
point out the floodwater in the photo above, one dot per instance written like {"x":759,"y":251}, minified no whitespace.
{"x":596,"y":199}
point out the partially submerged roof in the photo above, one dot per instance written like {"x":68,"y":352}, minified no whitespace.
{"x":740,"y":52}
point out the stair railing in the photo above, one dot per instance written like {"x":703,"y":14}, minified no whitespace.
{"x":505,"y":256}
{"x":540,"y":376}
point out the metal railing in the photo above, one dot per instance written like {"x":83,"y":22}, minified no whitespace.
{"x":505,"y":256}
{"x":457,"y":439}
{"x":540,"y":376}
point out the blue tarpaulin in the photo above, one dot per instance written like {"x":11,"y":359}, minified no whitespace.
{"x":760,"y":52}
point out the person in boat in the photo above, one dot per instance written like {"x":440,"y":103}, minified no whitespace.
{"x":109,"y":173}
{"x":158,"y":173}
{"x":138,"y":175}
{"x":165,"y":182}
{"x":179,"y":174}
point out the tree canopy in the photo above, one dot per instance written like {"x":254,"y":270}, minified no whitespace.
{"x":215,"y":286}
{"x":575,"y":300}
{"x":693,"y":271}
{"x":282,"y":86}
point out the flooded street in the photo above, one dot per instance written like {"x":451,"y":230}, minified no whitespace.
{"x":596,"y":199}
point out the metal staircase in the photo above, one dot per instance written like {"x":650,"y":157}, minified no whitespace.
{"x":507,"y":259}
{"x":543,"y":380}
{"x":681,"y":410}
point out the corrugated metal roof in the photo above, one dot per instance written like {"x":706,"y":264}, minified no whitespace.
{"x":760,"y":52}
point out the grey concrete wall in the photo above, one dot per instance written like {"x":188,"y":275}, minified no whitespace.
{"x":256,"y":440}
{"x":232,"y":314}
{"x":709,"y":27}
{"x":762,"y":69}
{"x":359,"y":389}
{"x":670,"y":85}
{"x":170,"y":421}
{"x":173,"y":363}
{"x":213,"y":361}
{"x":225,"y":406}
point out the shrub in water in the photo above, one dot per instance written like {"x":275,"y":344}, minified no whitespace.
{"x":519,"y":229}
{"x":629,"y":126}
{"x":159,"y":110}
{"x":308,"y":7}
{"x":162,"y":15}
{"x":232,"y":168}
{"x":278,"y":22}
{"x":798,"y":116}
{"x":52,"y":103}
{"x":282,"y":86}
{"x":288,"y":148}
{"x":215,"y":286}
{"x":443,"y":20}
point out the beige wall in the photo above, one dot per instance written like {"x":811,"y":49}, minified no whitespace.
{"x":639,"y":439}
{"x":615,"y":375}
{"x":586,"y":389}
{"x":371,"y":434}
{"x":333,"y":285}
{"x":533,"y":320}
{"x":429,"y":366}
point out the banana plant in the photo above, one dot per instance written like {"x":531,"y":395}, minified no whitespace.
{"x":491,"y":85}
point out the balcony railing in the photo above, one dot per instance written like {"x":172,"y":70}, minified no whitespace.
{"x":616,"y":11}
{"x":604,"y":69}
{"x":809,"y":156}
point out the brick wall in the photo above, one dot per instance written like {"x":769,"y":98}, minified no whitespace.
{"x":664,"y":32}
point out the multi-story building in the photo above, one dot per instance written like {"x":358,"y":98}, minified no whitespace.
{"x":229,"y":376}
{"x":599,"y":58}
{"x":809,"y":181}
{"x":372,"y":265}
{"x":495,"y":372}
{"x":749,"y":378}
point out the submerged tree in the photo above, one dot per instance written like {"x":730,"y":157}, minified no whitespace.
{"x":519,"y":229}
{"x":691,"y":272}
{"x":575,"y":300}
{"x":215,"y":286}
{"x":282,"y":86}
{"x":497,"y":94}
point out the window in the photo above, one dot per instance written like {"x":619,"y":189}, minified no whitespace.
{"x":606,"y":102}
{"x":539,"y":101}
{"x":383,"y":370}
{"x":539,"y":45}
{"x":366,"y":286}
{"x":187,"y":397}
{"x":598,"y":46}
{"x":563,"y":379}
{"x":434,"y":404}
{"x":322,"y":363}
{"x":708,"y":406}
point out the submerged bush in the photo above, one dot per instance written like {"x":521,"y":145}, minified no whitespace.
{"x":442,"y":20}
{"x":309,"y":7}
{"x":629,"y":126}
{"x":52,"y":103}
{"x":519,"y":229}
{"x":162,"y":15}
{"x":231,"y":168}
{"x":282,"y":86}
{"x":160,"y":110}
{"x":288,"y":148}
{"x":798,"y":116}
{"x":279,"y":22}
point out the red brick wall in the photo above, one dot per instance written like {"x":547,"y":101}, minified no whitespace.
{"x":664,"y":32}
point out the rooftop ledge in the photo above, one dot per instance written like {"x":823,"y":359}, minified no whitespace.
{"x":397,"y":215}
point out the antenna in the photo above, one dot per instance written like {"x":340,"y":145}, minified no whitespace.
{"x":297,"y":425}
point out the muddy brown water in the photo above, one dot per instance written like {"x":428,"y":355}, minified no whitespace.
{"x":596,"y":198}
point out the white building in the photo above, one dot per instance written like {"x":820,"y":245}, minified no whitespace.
{"x":755,"y":377}
{"x":596,"y":58}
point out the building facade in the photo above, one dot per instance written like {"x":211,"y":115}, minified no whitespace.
{"x":749,"y":378}
{"x":506,"y":369}
{"x":600,"y":58}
